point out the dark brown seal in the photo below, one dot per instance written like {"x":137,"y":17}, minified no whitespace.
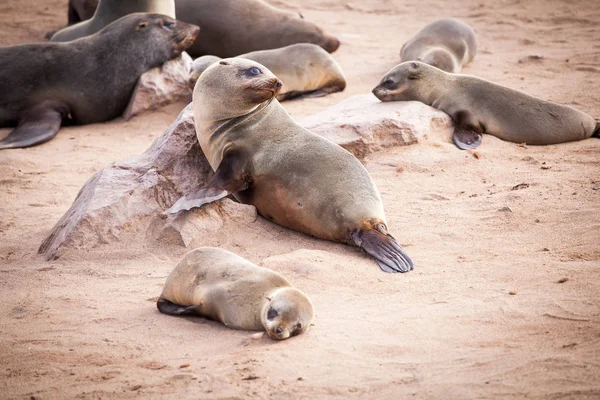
{"x":233,"y":27}
{"x":85,"y":81}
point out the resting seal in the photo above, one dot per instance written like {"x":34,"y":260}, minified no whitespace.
{"x":292,"y":176}
{"x":232,"y":27}
{"x":222,"y":286}
{"x":478,"y":106}
{"x":305,"y":69}
{"x":108,"y":11}
{"x":85,"y":81}
{"x":446,"y":43}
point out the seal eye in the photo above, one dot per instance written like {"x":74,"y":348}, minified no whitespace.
{"x":254,"y":71}
{"x":272,"y":313}
{"x":389,"y":84}
{"x":298,"y":326}
{"x":169,"y":24}
{"x":279,"y":330}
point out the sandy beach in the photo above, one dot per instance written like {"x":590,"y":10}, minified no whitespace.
{"x":503,"y":302}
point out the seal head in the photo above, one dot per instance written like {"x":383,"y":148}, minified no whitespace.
{"x":287,"y":313}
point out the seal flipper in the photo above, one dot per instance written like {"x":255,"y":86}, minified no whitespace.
{"x":37,"y":125}
{"x":229,"y":178}
{"x":166,"y":307}
{"x":390,"y":256}
{"x":466,"y":139}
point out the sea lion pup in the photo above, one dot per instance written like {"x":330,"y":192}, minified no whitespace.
{"x":222,"y":286}
{"x":304,"y":68}
{"x":446,"y":43}
{"x":293,"y":177}
{"x":478,"y":106}
{"x":85,"y":81}
{"x":80,"y":10}
{"x":108,"y":11}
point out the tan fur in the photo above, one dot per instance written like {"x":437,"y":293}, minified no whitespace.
{"x":109,"y":11}
{"x":232,"y":290}
{"x":493,"y":109}
{"x":300,"y":180}
{"x":447,"y":43}
{"x":302,"y":67}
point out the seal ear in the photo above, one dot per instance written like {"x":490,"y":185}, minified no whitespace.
{"x":268,"y":298}
{"x":223,"y":63}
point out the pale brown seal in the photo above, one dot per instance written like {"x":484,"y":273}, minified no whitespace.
{"x":85,"y":81}
{"x":292,"y":176}
{"x":446,"y":43}
{"x":109,"y":11}
{"x":478,"y":106}
{"x":222,"y":286}
{"x":233,"y":27}
{"x":304,"y":68}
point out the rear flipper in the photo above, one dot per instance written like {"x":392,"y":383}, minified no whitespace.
{"x":390,"y":256}
{"x":166,"y":307}
{"x":465,"y":138}
{"x":37,"y":125}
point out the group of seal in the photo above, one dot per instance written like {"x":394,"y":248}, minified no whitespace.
{"x":229,"y":27}
{"x":259,"y":154}
{"x":84,"y":81}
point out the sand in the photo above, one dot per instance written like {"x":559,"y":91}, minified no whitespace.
{"x":503,"y":301}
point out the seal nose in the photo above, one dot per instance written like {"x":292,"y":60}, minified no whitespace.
{"x":279,"y":84}
{"x":278,"y":330}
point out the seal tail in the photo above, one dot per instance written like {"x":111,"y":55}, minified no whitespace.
{"x":390,"y":256}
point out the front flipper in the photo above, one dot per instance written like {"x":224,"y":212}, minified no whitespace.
{"x":467,"y":130}
{"x":465,"y":138}
{"x":37,"y":125}
{"x":231,"y":177}
{"x":390,"y":256}
{"x":166,"y":307}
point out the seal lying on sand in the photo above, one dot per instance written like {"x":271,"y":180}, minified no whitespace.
{"x":478,"y":106}
{"x":222,"y":286}
{"x":292,"y":176}
{"x":107,"y":12}
{"x":305,"y":69}
{"x":232,"y":27}
{"x":85,"y":81}
{"x":446,"y":43}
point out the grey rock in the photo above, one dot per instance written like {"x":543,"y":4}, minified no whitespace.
{"x":362,"y":124}
{"x":161,"y":86}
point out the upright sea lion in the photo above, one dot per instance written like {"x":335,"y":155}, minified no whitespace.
{"x":478,"y":106}
{"x":232,"y":27}
{"x":85,"y":81}
{"x":222,"y":286}
{"x":446,"y":43}
{"x":304,"y":68}
{"x":108,"y":11}
{"x":292,"y":176}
